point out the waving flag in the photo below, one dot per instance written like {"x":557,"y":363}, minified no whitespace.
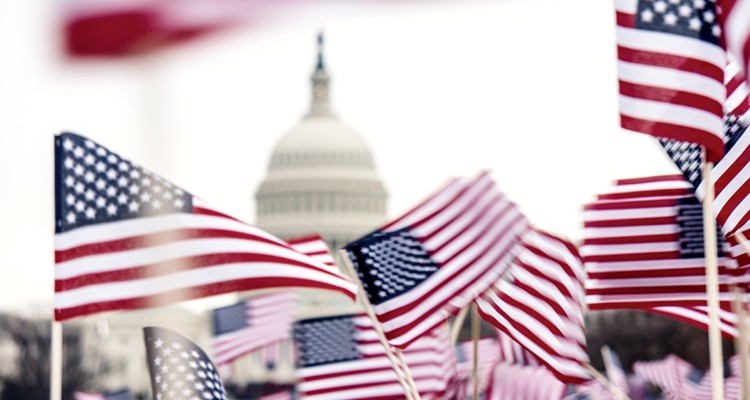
{"x":126,"y":239}
{"x":540,"y":304}
{"x":515,"y":382}
{"x":698,"y":317}
{"x":670,"y":373}
{"x":340,"y":358}
{"x":735,"y":14}
{"x":489,"y":356}
{"x":513,"y":353}
{"x":671,"y":71}
{"x":643,"y":247}
{"x":179,"y":369}
{"x":438,"y":257}
{"x":250,"y":325}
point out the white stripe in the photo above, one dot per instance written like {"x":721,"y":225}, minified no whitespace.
{"x":652,"y":282}
{"x":671,"y":113}
{"x":649,"y":265}
{"x":186,"y":279}
{"x":637,"y":248}
{"x":650,"y":297}
{"x":669,"y":78}
{"x":671,"y":44}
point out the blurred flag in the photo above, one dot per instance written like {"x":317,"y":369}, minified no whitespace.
{"x":643,"y":247}
{"x":126,"y":239}
{"x":540,"y":304}
{"x":123,"y":394}
{"x":119,"y":28}
{"x":438,"y":257}
{"x":735,"y":14}
{"x":731,"y":174}
{"x":615,"y":372}
{"x":340,"y":358}
{"x":516,"y":382}
{"x":670,"y":373}
{"x":671,"y":71}
{"x":179,"y":369}
{"x":513,"y":353}
{"x":591,"y":390}
{"x":283,"y":395}
{"x":489,"y":356}
{"x":250,"y":325}
{"x":698,"y":317}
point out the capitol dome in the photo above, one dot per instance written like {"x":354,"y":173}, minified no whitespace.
{"x":321,"y":178}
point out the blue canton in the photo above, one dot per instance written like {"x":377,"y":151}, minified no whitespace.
{"x":690,"y":220}
{"x":691,"y":18}
{"x":95,"y":185}
{"x":123,"y":394}
{"x":325,"y":340}
{"x":390,"y":263}
{"x":229,"y":319}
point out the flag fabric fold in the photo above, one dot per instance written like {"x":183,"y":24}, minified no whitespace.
{"x":179,"y":369}
{"x":539,"y":304}
{"x":435,"y":259}
{"x":127,"y":239}
{"x":736,"y":30}
{"x":515,"y":382}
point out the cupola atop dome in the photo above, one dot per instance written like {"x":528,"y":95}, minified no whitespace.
{"x":320,"y":105}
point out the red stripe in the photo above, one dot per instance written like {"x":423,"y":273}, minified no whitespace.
{"x":669,"y":96}
{"x":194,"y":292}
{"x":631,"y":222}
{"x":633,"y":274}
{"x":155,"y":239}
{"x":606,"y":304}
{"x":625,"y":20}
{"x":650,"y":179}
{"x":733,"y":171}
{"x":676,"y":62}
{"x":713,"y":143}
{"x":531,"y":312}
{"x":647,"y":193}
{"x":667,"y":237}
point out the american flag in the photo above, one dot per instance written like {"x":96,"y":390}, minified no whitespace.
{"x":283,"y":395}
{"x":123,"y":394}
{"x":540,"y":304}
{"x":489,"y":355}
{"x":513,"y":353}
{"x":671,"y":70}
{"x":438,"y":257}
{"x":735,"y":14}
{"x":643,"y":247}
{"x":126,"y":239}
{"x":731,"y":174}
{"x":250,"y":325}
{"x":671,"y":373}
{"x":340,"y":358}
{"x":179,"y":369}
{"x":698,"y":317}
{"x":732,"y":383}
{"x":516,"y":382}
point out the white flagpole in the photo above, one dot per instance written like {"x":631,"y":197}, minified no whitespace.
{"x":475,"y":340}
{"x":609,"y":366}
{"x":458,"y":323}
{"x":401,"y":375}
{"x":712,"y":284}
{"x":604,"y":381}
{"x":741,"y":311}
{"x":56,"y":362}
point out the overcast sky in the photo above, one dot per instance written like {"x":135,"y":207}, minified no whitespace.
{"x":523,"y":88}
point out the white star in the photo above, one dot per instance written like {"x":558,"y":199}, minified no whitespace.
{"x":112,"y":159}
{"x":80,"y":206}
{"x":193,"y":364}
{"x":100,"y":151}
{"x":100,"y":202}
{"x":185,"y":355}
{"x":122,"y":198}
{"x":89,"y":176}
{"x":111,"y":174}
{"x":68,"y":163}
{"x":181,"y":368}
{"x":178,"y":203}
{"x":100,"y":184}
{"x":709,"y":16}
{"x":70,"y":181}
{"x":78,"y":152}
{"x":71,"y":217}
{"x":157,"y":378}
{"x":146,"y":182}
{"x":134,"y":189}
{"x":685,"y":10}
{"x":195,"y":354}
{"x":123,"y":166}
{"x":207,"y":395}
{"x":716,"y":30}
{"x":135,"y":174}
{"x":70,"y":199}
{"x":122,"y":181}
{"x":190,"y":377}
{"x":145,"y":196}
{"x":78,"y":169}
{"x":167,"y":195}
{"x":90,"y":213}
{"x":79,"y":187}
{"x":156,"y":189}
{"x":660,"y":7}
{"x":111,"y":191}
{"x":100,"y":166}
{"x":89,"y":159}
{"x":167,"y":351}
{"x":67,"y":144}
{"x":133,"y":206}
{"x":179,"y":192}
{"x":674,"y":1}
{"x":90,"y":195}
{"x":111,"y":209}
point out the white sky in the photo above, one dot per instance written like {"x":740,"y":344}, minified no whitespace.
{"x":524,"y":88}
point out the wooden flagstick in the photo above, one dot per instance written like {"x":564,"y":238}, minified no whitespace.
{"x":56,"y":362}
{"x":407,"y":372}
{"x":609,"y":366}
{"x":457,"y":324}
{"x":475,"y":340}
{"x":741,"y":311}
{"x":604,"y":381}
{"x":401,"y":375}
{"x":712,"y":284}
